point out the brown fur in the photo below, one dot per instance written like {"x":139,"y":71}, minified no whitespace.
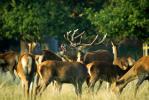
{"x":63,"y":72}
{"x":26,"y":70}
{"x":47,"y":55}
{"x":140,"y":70}
{"x":8,"y":62}
{"x":103,"y":71}
{"x":123,"y":62}
{"x":100,"y":55}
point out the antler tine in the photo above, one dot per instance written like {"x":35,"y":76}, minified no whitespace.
{"x":79,"y":35}
{"x":112,"y":43}
{"x":102,"y":39}
{"x":66,"y":36}
{"x":72,"y":36}
{"x":79,"y":41}
{"x":92,"y":41}
{"x":89,"y":44}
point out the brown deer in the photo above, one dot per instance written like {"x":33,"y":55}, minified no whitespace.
{"x":122,"y":62}
{"x":8,"y":62}
{"x":63,"y":72}
{"x":139,"y":71}
{"x":103,"y":71}
{"x":26,"y":70}
{"x":106,"y":71}
{"x":99,"y":55}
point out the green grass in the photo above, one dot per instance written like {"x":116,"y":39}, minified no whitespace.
{"x":10,"y":90}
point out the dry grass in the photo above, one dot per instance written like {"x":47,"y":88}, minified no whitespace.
{"x":10,"y":90}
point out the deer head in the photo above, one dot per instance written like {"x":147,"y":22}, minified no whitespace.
{"x":31,"y":46}
{"x":75,"y":40}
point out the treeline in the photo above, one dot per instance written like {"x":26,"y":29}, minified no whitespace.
{"x":32,"y":19}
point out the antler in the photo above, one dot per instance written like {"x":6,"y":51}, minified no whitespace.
{"x":72,"y":39}
{"x":93,"y":41}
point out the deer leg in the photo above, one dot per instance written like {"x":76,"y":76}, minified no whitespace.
{"x":23,"y":87}
{"x":43,"y":88}
{"x":92,"y":84}
{"x":140,"y":81}
{"x":87,"y":81}
{"x":12,"y":74}
{"x":58,"y":86}
{"x":76,"y":88}
{"x":80,"y":88}
{"x":99,"y":85}
{"x":35,"y":82}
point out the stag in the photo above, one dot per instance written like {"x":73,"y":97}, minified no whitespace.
{"x":8,"y":62}
{"x":139,"y":71}
{"x":76,"y":42}
{"x":63,"y":72}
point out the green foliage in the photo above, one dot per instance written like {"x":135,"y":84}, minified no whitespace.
{"x":32,"y":19}
{"x":122,"y":18}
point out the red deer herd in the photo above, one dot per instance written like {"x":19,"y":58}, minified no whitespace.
{"x":37,"y":71}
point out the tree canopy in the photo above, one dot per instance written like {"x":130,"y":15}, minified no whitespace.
{"x":122,"y":18}
{"x":32,"y":19}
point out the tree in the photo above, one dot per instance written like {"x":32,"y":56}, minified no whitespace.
{"x":31,"y":19}
{"x":122,"y":18}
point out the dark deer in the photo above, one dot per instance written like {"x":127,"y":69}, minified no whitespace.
{"x":8,"y":62}
{"x":103,"y":71}
{"x":75,"y":41}
{"x":139,"y":71}
{"x":106,"y":71}
{"x":99,"y":55}
{"x":63,"y":72}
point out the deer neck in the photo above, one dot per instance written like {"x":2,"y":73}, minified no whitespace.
{"x":79,"y":56}
{"x":115,"y":54}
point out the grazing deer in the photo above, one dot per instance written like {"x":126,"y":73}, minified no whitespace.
{"x":26,"y":70}
{"x":139,"y":71}
{"x":103,"y":71}
{"x":63,"y":72}
{"x":8,"y":62}
{"x":123,"y":62}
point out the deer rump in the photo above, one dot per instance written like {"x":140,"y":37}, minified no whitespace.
{"x":8,"y":62}
{"x":63,"y":72}
{"x":26,"y":70}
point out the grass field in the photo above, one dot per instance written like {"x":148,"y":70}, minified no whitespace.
{"x":10,"y":90}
